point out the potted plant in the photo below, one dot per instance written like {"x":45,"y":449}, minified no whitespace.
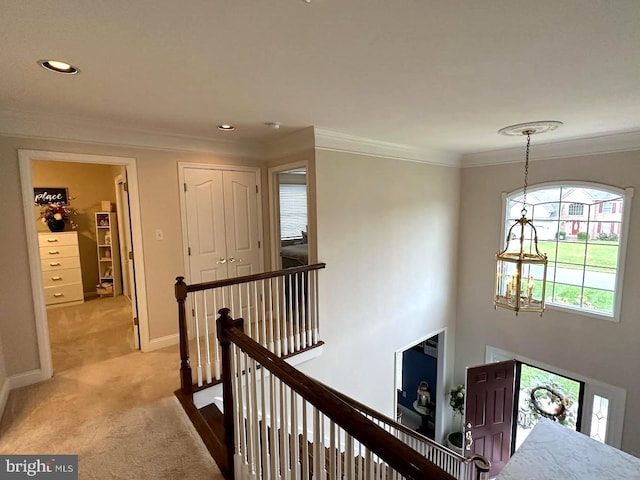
{"x":456,"y":400}
{"x":56,"y":215}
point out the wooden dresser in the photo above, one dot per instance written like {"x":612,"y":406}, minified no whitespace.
{"x":61,"y":272}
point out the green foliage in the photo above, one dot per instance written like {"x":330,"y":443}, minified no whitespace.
{"x":583,"y":236}
{"x":608,"y":237}
{"x":456,"y":399}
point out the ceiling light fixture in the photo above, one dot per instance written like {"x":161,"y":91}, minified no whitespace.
{"x":522,"y":271}
{"x":58,"y":67}
{"x":225,"y":127}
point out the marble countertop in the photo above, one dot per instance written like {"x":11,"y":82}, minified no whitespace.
{"x":552,"y":451}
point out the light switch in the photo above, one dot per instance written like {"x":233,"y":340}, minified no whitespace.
{"x":159,"y":234}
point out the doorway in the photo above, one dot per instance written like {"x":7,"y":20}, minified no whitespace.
{"x":289,"y":207}
{"x":87,"y":216}
{"x":419,"y":386}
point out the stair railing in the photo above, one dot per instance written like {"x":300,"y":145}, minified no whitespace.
{"x":281,"y":424}
{"x":463,"y":468}
{"x":280,"y":309}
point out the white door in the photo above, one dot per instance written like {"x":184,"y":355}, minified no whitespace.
{"x":222,"y":230}
{"x":126,"y":252}
{"x":204,"y":203}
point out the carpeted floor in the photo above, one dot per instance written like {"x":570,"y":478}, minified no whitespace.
{"x":116,"y":411}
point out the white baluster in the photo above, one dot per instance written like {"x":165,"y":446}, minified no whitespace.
{"x":304,"y":328}
{"x":270,"y":311}
{"x":293,"y":437}
{"x":295,"y":302}
{"x":255,"y":422}
{"x":278,"y":326}
{"x":306,"y":471}
{"x":216,"y":345}
{"x":332,"y":451}
{"x":199,"y":356}
{"x":265,"y":339}
{"x":273,"y":431}
{"x":206,"y":337}
{"x":315,"y":309}
{"x":290,"y":320}
{"x":264,"y":438}
{"x":349,"y":465}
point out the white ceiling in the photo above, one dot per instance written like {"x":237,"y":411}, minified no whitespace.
{"x":423,"y":74}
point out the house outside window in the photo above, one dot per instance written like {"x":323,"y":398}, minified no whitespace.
{"x":583,"y":242}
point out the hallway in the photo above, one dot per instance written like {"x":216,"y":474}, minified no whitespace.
{"x":112,"y":406}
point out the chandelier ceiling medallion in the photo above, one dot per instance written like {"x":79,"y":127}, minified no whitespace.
{"x":521,"y":269}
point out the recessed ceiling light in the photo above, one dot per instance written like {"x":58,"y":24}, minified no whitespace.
{"x":225,"y":127}
{"x":58,"y":66}
{"x":274,"y":125}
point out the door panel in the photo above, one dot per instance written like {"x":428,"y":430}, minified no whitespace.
{"x":241,"y":214}
{"x":205,"y":225}
{"x":489,"y":412}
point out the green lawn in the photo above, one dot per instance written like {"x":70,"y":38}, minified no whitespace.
{"x":599,"y":254}
{"x":598,"y":300}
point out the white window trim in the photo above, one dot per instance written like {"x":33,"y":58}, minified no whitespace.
{"x":627,"y":195}
{"x":617,"y":396}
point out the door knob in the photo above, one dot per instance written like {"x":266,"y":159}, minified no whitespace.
{"x":222,"y":260}
{"x":231,"y":259}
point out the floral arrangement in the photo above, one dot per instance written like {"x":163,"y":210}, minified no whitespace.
{"x":56,"y":212}
{"x":456,"y":399}
{"x":546,"y":401}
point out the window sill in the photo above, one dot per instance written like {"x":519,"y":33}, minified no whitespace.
{"x":585,"y":313}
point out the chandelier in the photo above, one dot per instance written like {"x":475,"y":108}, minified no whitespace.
{"x":521,"y":269}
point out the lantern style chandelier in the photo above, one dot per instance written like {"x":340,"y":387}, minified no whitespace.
{"x":521,"y":269}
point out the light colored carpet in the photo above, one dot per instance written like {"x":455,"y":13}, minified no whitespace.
{"x":117,"y":413}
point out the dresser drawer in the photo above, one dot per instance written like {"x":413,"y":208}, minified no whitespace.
{"x":54,"y":278}
{"x":62,"y":263}
{"x":55,"y":239}
{"x":63,"y":293}
{"x":58,"y":251}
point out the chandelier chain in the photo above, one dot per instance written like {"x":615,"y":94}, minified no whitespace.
{"x":526,"y":176}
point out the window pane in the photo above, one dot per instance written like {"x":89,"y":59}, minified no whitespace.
{"x":598,"y":300}
{"x":602,"y":254}
{"x":599,"y":416}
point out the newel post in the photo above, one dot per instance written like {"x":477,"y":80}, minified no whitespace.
{"x":186,"y":381}
{"x":224,"y":323}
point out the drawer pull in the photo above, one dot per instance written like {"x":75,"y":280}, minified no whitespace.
{"x":54,"y":264}
{"x":58,"y":295}
{"x":56,"y":278}
{"x":53,"y":252}
{"x":52,"y":240}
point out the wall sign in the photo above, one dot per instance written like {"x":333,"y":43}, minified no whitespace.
{"x":47,"y":195}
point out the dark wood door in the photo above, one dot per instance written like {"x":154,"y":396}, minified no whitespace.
{"x":489,"y":412}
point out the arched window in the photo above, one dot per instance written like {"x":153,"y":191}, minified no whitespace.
{"x":581,"y":228}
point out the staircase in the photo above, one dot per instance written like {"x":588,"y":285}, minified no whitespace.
{"x":273,"y":422}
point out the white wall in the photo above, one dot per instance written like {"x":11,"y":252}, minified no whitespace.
{"x":595,"y":348}
{"x":387,"y":230}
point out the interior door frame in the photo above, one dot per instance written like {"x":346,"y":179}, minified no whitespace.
{"x":25,"y":157}
{"x":274,"y":212}
{"x":182,"y":166}
{"x":441,"y":401}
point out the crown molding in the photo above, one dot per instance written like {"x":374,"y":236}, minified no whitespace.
{"x":67,"y":128}
{"x":601,"y":144}
{"x":332,"y":140}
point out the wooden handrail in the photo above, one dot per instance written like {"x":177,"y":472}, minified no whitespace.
{"x":481,"y":463}
{"x":397,"y":454}
{"x":196,"y":287}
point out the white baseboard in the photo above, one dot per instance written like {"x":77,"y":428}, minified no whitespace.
{"x":162,"y":342}
{"x":26,"y":378}
{"x":4,"y":395}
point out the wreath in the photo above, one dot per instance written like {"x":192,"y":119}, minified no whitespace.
{"x":556,"y":405}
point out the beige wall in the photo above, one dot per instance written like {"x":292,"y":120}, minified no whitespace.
{"x":160,"y":208}
{"x":88,"y":184}
{"x":387,"y":230}
{"x":588,"y":346}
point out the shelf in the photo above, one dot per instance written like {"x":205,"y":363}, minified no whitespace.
{"x":106,"y":259}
